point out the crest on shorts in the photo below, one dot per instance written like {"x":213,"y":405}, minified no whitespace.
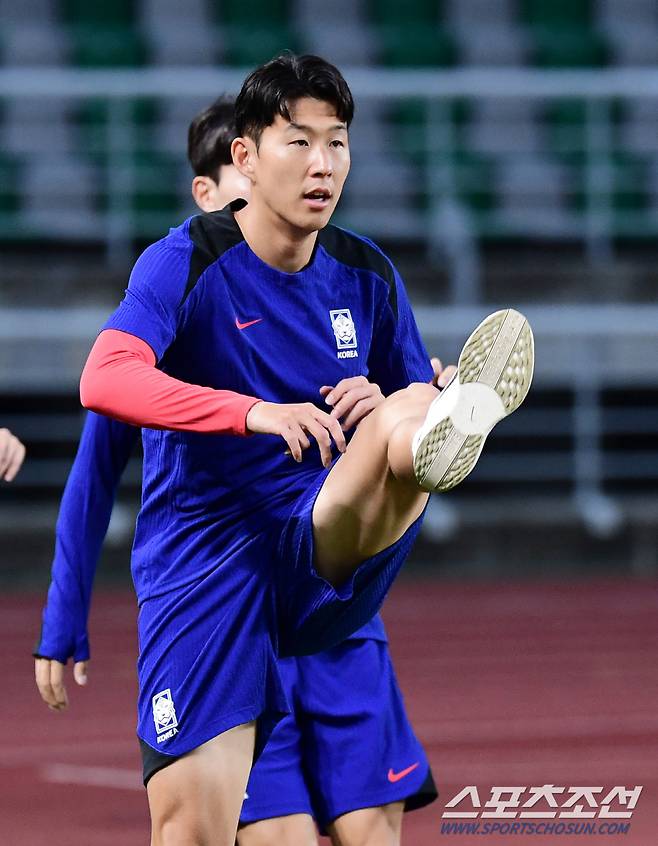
{"x":344,"y":328}
{"x":164,"y":713}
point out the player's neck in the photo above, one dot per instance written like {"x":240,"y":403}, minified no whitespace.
{"x":273,"y":240}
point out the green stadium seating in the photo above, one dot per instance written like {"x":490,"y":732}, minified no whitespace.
{"x":98,"y":12}
{"x":475,"y":181}
{"x":565,"y":13}
{"x":410,"y":116}
{"x":156,"y":185}
{"x":247,"y":46}
{"x":569,"y":47}
{"x":394,"y":12}
{"x":258,"y":13}
{"x":107,"y":46}
{"x":628,"y":182}
{"x":414,"y":45}
{"x":566,"y":125}
{"x":92,"y":119}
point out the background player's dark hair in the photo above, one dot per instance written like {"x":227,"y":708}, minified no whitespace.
{"x":268,"y":91}
{"x":209,"y":138}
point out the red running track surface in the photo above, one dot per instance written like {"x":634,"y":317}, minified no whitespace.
{"x":507,"y":685}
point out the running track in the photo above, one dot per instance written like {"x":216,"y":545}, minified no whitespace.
{"x":507,"y":685}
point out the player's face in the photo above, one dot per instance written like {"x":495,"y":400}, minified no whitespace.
{"x":300,"y":166}
{"x":211,"y":196}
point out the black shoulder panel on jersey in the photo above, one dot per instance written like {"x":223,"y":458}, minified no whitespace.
{"x":353,"y":251}
{"x":212,"y":234}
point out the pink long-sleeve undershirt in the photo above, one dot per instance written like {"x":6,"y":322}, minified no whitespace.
{"x":120,"y":380}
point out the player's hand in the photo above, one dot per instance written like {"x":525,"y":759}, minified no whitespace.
{"x":12,"y":453}
{"x":294,"y":422}
{"x":49,"y":675}
{"x":352,"y":399}
{"x":442,"y":375}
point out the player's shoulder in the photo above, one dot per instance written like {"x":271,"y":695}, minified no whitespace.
{"x":214,"y":233}
{"x":188,"y":250}
{"x":209,"y":234}
{"x":357,"y":251}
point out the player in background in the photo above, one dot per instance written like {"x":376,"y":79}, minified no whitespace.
{"x":242,"y":551}
{"x":12,"y":455}
{"x":294,"y":780}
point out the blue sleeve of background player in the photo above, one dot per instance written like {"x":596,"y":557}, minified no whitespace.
{"x":397,"y":354}
{"x":84,"y":515}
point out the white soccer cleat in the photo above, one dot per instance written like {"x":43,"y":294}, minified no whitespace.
{"x":492,"y":380}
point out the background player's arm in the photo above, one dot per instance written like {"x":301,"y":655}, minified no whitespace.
{"x":85,"y":511}
{"x":12,"y":453}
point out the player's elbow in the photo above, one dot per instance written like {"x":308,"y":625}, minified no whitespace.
{"x":91,"y":389}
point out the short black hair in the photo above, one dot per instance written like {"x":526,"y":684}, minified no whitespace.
{"x":269,"y":90}
{"x":210,"y":136}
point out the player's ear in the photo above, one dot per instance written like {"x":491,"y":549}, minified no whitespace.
{"x":202,"y":191}
{"x":243,"y":151}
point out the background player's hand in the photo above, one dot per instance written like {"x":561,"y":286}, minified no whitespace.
{"x":12,"y":453}
{"x":352,"y":399}
{"x":442,"y":375}
{"x":292,"y":421}
{"x":49,"y":675}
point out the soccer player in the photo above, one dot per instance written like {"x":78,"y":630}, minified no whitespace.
{"x":303,"y":772}
{"x":296,"y":778}
{"x":235,"y":328}
{"x":12,"y":454}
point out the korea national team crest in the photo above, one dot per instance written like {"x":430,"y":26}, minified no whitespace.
{"x":345,"y":332}
{"x":164,"y":715}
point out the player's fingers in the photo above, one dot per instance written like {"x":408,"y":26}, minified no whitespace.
{"x":57,"y":684}
{"x":333,"y":426}
{"x":324,"y":390}
{"x":15,"y":461}
{"x":80,"y":672}
{"x":446,"y":376}
{"x":348,"y":400}
{"x":5,"y":439}
{"x":322,"y":437}
{"x":361,"y":409}
{"x":42,"y":677}
{"x":292,"y":436}
{"x":343,"y":387}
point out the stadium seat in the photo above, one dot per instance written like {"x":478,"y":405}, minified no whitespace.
{"x":568,"y":47}
{"x":98,"y":12}
{"x":246,"y":46}
{"x":415,"y":45}
{"x":620,"y":181}
{"x":474,"y":181}
{"x":557,"y":13}
{"x":258,"y":13}
{"x":93,"y":125}
{"x":393,"y":12}
{"x":106,"y":46}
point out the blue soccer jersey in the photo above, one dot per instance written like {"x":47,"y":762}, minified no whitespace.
{"x":216,"y":315}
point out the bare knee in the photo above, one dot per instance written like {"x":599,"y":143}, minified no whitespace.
{"x":410,"y":403}
{"x":180,"y":829}
{"x":293,"y":830}
{"x":369,"y":827}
